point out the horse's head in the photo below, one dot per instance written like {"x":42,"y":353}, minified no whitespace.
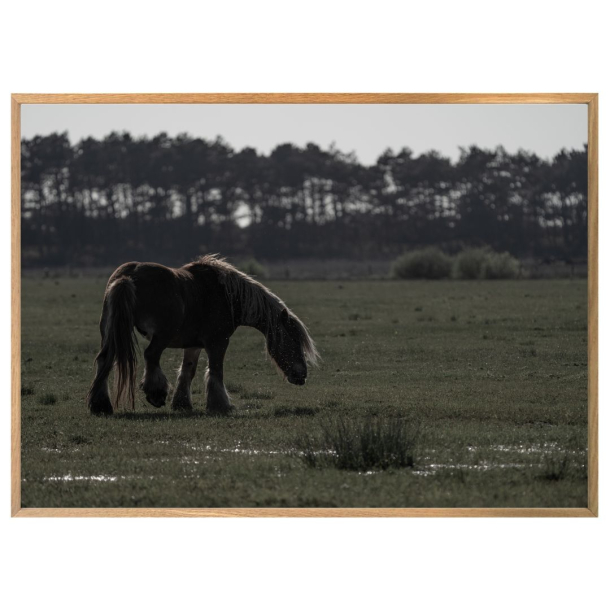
{"x":291,"y":347}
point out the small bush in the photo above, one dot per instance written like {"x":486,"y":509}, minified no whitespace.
{"x":79,"y":439}
{"x":470,"y":263}
{"x":252,"y":267}
{"x":500,"y":266}
{"x":48,"y":399}
{"x":556,"y":467}
{"x":295,"y":411}
{"x":372,"y":443}
{"x":428,"y":263}
{"x":484,"y":263}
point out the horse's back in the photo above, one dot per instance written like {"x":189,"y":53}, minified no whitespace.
{"x":188,"y":304}
{"x":161,"y":295}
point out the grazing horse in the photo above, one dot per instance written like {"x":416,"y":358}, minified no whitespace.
{"x":195,"y":307}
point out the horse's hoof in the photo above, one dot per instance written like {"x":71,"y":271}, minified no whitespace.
{"x":156,"y":394}
{"x":100,"y":407}
{"x":181,"y":403}
{"x":220,"y":410}
{"x":157,"y":398}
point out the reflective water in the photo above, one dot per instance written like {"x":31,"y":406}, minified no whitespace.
{"x":428,"y":466}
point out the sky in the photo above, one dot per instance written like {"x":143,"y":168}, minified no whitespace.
{"x":367,"y":130}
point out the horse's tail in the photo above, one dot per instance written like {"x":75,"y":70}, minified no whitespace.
{"x":119,"y":341}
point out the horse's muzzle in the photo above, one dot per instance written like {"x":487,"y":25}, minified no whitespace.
{"x":297,"y":380}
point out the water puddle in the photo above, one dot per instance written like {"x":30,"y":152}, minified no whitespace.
{"x":95,"y":477}
{"x":544,"y":448}
{"x":431,"y":469}
{"x":239,"y":450}
{"x":427,"y":466}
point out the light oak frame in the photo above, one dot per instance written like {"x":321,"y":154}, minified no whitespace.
{"x":591,"y":99}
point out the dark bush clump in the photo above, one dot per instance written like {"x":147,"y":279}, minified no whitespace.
{"x":252,"y":267}
{"x":428,"y":263}
{"x":470,"y":263}
{"x":484,"y":263}
{"x":295,"y":411}
{"x":48,"y":399}
{"x":560,"y":467}
{"x":372,"y":443}
{"x":500,"y":266}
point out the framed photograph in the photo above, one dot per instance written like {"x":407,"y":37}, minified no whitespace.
{"x":304,"y":305}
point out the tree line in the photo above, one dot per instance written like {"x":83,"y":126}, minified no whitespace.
{"x":104,"y":201}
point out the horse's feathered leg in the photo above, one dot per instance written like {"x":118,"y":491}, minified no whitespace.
{"x":218,"y":401}
{"x":182,"y":400}
{"x":154,"y":382}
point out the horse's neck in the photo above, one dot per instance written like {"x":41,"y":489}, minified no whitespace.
{"x":252,"y":304}
{"x":260,"y":323}
{"x":259,"y":318}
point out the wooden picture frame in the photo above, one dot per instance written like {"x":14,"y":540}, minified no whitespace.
{"x":591,"y":100}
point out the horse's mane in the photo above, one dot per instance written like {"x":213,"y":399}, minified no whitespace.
{"x":257,"y":302}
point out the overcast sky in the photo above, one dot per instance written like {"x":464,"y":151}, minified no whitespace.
{"x":365,"y":129}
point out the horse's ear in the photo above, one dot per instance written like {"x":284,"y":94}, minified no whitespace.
{"x":284,"y":316}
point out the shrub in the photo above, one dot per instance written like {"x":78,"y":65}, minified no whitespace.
{"x":295,"y":411}
{"x":427,"y":263}
{"x":48,"y":399}
{"x":500,"y":266}
{"x":556,"y":467}
{"x":372,"y":443}
{"x":252,"y":267}
{"x":470,"y":263}
{"x":484,"y":263}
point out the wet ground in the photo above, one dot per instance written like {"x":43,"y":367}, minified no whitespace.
{"x":495,"y":374}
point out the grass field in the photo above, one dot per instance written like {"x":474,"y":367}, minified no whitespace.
{"x":490,"y":377}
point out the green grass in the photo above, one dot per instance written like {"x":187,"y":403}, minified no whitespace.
{"x":494,"y":372}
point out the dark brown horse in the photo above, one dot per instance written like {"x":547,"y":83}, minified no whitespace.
{"x":196,"y":307}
